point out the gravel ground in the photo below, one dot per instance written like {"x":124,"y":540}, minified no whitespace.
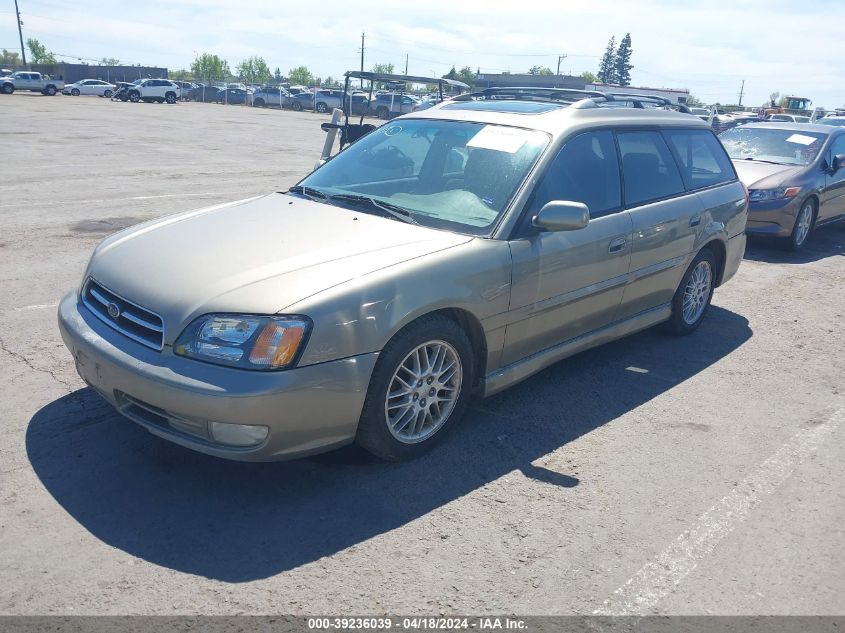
{"x":652,"y":475}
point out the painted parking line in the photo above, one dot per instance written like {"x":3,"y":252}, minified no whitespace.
{"x":657,"y":578}
{"x":37,"y":306}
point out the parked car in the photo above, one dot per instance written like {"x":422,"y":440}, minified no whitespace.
{"x":392,"y":104}
{"x":359,"y":102}
{"x":701,"y":113}
{"x":794,"y":174}
{"x":426,"y":103}
{"x":788,"y":118}
{"x":302,"y":101}
{"x":185,"y":88}
{"x":154,"y":90}
{"x":271,"y":96}
{"x":89,"y":87}
{"x":451,"y":253}
{"x":203,"y":93}
{"x":233,"y":96}
{"x":832,"y":119}
{"x":32,"y":82}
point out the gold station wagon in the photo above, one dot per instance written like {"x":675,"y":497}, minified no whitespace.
{"x":451,"y":252}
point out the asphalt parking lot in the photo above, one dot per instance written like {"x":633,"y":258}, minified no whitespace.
{"x":698,"y":475}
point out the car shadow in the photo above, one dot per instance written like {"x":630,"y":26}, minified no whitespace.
{"x":825,"y":242}
{"x":238,"y":522}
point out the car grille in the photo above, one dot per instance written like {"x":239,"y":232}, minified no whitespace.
{"x":145,"y":413}
{"x":139,"y":324}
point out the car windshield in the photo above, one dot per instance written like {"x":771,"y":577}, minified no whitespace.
{"x":839,"y":121}
{"x":452,"y":175}
{"x":787,"y":147}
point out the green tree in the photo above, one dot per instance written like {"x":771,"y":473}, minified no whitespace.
{"x":39,"y":52}
{"x":452,"y":74}
{"x":693,"y":101}
{"x":589,"y":78}
{"x":331,"y":82}
{"x":110,"y":61}
{"x":466,"y":75}
{"x":254,"y":70}
{"x":210,"y":68}
{"x":623,"y":61}
{"x":540,"y":70}
{"x":277,"y":75}
{"x":387,"y":69}
{"x":181,"y":75}
{"x":9,"y":58}
{"x":607,"y":66}
{"x":300,"y":76}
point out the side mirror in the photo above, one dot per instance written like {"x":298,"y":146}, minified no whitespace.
{"x":562,"y":215}
{"x":838,"y":162}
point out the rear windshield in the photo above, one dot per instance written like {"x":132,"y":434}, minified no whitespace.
{"x":785,"y":147}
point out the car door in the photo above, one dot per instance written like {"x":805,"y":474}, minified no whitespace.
{"x":88,"y":87}
{"x":568,"y":283}
{"x":833,"y":196}
{"x":665,"y":217}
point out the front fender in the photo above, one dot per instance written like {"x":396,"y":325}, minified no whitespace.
{"x":363,"y":314}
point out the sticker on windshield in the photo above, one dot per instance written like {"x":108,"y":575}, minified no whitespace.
{"x":393,"y":130}
{"x":499,"y":138}
{"x":803,"y":139}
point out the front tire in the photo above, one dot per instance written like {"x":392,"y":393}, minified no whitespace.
{"x":7,"y":89}
{"x":419,"y":389}
{"x":692,"y":299}
{"x":803,"y":226}
{"x":296,"y":106}
{"x":134,"y":96}
{"x":74,"y":92}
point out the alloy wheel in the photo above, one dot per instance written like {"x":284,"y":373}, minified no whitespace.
{"x":803,"y":223}
{"x":697,"y":292}
{"x":423,"y":392}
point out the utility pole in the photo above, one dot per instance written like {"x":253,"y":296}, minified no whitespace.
{"x":362,"y":56}
{"x":406,"y":64}
{"x":741,"y":92}
{"x":20,"y":32}
{"x":560,"y":58}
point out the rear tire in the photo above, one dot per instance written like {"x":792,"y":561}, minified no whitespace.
{"x":107,"y":94}
{"x":322,"y":108}
{"x":50,"y":91}
{"x":424,"y":405}
{"x":692,"y":298}
{"x":170,"y":97}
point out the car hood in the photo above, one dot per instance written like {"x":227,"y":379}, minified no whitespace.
{"x":758,"y":175}
{"x":254,"y":256}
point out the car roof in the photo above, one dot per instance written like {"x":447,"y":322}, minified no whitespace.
{"x":555,"y":118}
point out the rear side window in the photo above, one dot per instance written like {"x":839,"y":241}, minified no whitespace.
{"x":702,"y":158}
{"x":585,"y":170}
{"x":648,"y":168}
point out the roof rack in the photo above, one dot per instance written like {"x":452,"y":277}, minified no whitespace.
{"x":573,"y":96}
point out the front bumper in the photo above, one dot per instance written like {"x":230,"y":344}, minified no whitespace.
{"x":308,"y":409}
{"x":775,"y":218}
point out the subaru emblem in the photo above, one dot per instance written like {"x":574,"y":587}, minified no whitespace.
{"x":114,"y":310}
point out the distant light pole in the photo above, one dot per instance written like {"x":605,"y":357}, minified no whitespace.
{"x":20,"y":32}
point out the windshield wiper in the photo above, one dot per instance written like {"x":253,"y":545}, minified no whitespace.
{"x":309,"y":192}
{"x":761,"y":160}
{"x":387,"y":209}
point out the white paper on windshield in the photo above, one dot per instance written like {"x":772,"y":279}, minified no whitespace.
{"x":501,"y":139}
{"x":803,"y":139}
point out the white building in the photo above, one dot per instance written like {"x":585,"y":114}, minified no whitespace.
{"x":674,"y":95}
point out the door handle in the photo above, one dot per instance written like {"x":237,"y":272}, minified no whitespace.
{"x":617,"y":245}
{"x":695,"y":220}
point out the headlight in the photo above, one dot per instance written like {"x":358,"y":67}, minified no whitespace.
{"x":762,"y":195}
{"x":245,"y":341}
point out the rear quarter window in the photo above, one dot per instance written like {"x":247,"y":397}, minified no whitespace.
{"x":701,"y":158}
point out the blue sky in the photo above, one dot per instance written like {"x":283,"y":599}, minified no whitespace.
{"x":706,"y":46}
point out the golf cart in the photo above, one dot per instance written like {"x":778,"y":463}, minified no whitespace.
{"x":351,"y":132}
